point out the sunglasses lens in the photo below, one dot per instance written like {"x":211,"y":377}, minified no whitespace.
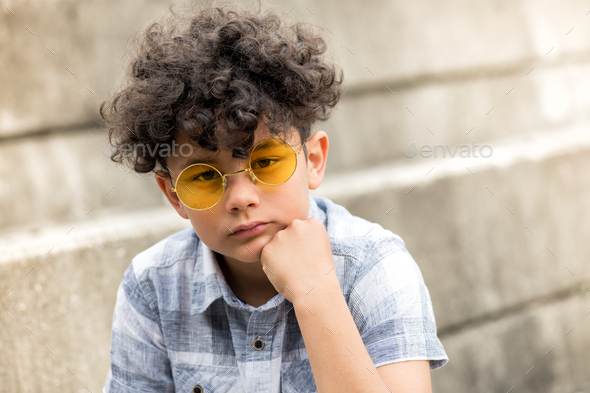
{"x":199,"y":186}
{"x":273,"y":161}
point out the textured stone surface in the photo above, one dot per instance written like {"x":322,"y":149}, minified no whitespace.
{"x":377,"y":43}
{"x":57,"y":306}
{"x":545,"y":348}
{"x":42,"y":38}
{"x":371,"y":128}
{"x":62,"y":176}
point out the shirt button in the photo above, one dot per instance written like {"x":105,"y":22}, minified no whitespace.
{"x":258,"y":344}
{"x":197,"y":389}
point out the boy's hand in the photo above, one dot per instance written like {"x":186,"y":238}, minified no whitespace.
{"x":299,"y":258}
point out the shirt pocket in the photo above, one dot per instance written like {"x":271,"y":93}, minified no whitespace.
{"x":210,"y":378}
{"x":298,"y":378}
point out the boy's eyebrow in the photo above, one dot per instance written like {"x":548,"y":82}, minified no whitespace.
{"x":265,"y":144}
{"x":199,"y":160}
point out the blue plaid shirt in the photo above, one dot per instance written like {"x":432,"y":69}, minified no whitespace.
{"x":178,"y":326}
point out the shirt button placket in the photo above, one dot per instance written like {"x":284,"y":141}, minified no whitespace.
{"x":259,"y":332}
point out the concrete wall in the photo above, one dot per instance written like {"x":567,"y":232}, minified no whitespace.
{"x":501,"y":241}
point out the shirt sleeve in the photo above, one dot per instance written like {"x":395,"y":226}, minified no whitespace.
{"x":391,"y":307}
{"x":139,"y":359}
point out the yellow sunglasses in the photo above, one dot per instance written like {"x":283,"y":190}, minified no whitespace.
{"x":272,"y":162}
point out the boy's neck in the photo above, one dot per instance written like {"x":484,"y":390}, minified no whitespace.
{"x":247,"y":280}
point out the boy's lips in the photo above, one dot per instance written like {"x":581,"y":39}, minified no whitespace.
{"x":249,"y":229}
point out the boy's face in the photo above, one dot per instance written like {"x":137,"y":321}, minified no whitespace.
{"x":244,"y":202}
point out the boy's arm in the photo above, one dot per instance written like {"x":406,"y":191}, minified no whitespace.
{"x":139,"y":360}
{"x":388,"y":318}
{"x":337,"y":354}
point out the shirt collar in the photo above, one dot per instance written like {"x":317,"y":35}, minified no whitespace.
{"x":209,"y":283}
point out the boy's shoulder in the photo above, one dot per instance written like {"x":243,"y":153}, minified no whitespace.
{"x":348,"y":231}
{"x":366,"y":254}
{"x":178,"y":246}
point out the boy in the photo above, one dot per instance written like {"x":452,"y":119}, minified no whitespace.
{"x":270,"y":290}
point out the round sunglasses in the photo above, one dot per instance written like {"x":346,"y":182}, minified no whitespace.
{"x":272,"y":162}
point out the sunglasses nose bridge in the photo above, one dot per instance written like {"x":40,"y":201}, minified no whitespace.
{"x":252,"y":176}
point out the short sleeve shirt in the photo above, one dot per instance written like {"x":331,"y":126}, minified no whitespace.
{"x":178,"y":326}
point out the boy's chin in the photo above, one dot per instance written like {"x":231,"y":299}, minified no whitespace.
{"x":250,"y":251}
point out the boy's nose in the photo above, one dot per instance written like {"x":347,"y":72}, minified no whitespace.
{"x":241,"y":190}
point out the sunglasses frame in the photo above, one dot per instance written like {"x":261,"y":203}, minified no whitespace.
{"x":249,"y":170}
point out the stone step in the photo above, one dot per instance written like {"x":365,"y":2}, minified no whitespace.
{"x":62,"y":59}
{"x":58,"y":297}
{"x":48,"y":83}
{"x":66,"y":177}
{"x":374,"y":127}
{"x":544,"y":348}
{"x":390,"y":40}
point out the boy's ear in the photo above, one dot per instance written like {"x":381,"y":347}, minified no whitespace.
{"x":317,"y":150}
{"x":165,"y":184}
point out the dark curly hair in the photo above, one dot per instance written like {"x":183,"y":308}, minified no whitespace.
{"x":212,"y":76}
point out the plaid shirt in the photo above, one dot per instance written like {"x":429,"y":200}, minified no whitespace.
{"x":178,"y":326}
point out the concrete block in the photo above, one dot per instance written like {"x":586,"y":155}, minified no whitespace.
{"x":57,"y":306}
{"x":372,"y":128}
{"x":53,"y":79}
{"x":380,"y":42}
{"x":62,"y":58}
{"x":544,"y":348}
{"x":62,"y":177}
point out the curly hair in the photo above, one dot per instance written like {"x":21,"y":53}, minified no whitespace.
{"x":212,"y":76}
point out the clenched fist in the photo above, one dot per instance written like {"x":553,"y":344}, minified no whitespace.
{"x":298,"y":259}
